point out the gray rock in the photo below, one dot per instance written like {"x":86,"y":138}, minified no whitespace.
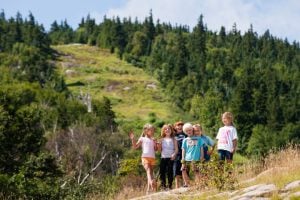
{"x":292,"y":185}
{"x":126,"y":88}
{"x":256,"y":192}
{"x":253,"y":188}
{"x":151,"y":86}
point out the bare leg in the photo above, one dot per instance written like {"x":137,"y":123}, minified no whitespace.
{"x":177,"y":179}
{"x":149,"y":179}
{"x":185,"y":177}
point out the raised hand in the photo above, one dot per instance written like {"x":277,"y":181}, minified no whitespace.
{"x":131,"y":135}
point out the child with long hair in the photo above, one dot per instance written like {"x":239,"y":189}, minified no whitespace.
{"x":227,"y":138}
{"x":149,"y":146}
{"x":169,"y":149}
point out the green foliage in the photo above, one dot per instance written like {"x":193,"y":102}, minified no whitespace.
{"x":106,"y":117}
{"x":217,"y":174}
{"x":261,"y":141}
{"x":22,"y":134}
{"x":207,"y":109}
{"x":130,"y":167}
{"x":61,"y":34}
{"x":38,"y":178}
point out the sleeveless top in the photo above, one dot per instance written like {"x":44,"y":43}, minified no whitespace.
{"x":168,"y":148}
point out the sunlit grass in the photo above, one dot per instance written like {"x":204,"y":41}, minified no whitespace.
{"x":100,"y":73}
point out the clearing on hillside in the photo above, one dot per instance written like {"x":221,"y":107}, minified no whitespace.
{"x":133,"y":93}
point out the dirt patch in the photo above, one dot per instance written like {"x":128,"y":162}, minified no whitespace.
{"x":112,"y":85}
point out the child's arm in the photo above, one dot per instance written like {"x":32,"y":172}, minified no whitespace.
{"x":201,"y":154}
{"x":212,"y":144}
{"x":159,"y":145}
{"x":156,"y":144}
{"x":183,"y":159}
{"x":234,"y":145}
{"x":135,"y":144}
{"x":176,"y":150}
{"x":212,"y":149}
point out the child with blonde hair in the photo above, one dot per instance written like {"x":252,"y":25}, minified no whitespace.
{"x":208,"y":142}
{"x":227,"y":138}
{"x":149,"y":146}
{"x":192,"y":153}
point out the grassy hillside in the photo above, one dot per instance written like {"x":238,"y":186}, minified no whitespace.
{"x":133,"y":93}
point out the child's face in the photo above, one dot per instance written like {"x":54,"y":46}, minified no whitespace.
{"x":226,"y":121}
{"x":150,"y":132}
{"x":197,"y":131}
{"x":167,"y":130}
{"x":189,"y":131}
{"x":178,"y":128}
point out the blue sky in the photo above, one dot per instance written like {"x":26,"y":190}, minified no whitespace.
{"x":281,"y":17}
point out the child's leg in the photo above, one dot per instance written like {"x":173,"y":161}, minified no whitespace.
{"x":177,"y":172}
{"x":170,"y":173}
{"x":162,"y":172}
{"x":149,"y":179}
{"x":229,"y":157}
{"x":185,"y":175}
{"x":152,"y":180}
{"x":196,"y":171}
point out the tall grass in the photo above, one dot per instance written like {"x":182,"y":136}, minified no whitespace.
{"x":279,"y":167}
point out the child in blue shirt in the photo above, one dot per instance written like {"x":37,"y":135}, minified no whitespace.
{"x":208,"y":142}
{"x":192,"y":153}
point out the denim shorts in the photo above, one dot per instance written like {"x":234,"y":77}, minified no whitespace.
{"x":224,"y":154}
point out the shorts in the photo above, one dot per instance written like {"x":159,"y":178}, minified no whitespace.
{"x":177,"y":168}
{"x":147,"y":160}
{"x":194,"y":165}
{"x":224,"y":154}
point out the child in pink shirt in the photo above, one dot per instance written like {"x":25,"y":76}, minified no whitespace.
{"x":227,"y":138}
{"x":149,"y":146}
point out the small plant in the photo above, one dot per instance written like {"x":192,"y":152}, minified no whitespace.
{"x":217,"y":174}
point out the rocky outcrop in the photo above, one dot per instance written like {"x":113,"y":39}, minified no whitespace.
{"x":260,"y":191}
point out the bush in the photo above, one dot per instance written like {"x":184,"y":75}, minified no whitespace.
{"x":217,"y":174}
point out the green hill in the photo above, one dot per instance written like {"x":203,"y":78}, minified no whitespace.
{"x":133,"y":93}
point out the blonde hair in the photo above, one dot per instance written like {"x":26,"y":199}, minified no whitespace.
{"x":145,"y":128}
{"x":229,"y":116}
{"x":198,"y":126}
{"x":187,"y":126}
{"x":162,"y":132}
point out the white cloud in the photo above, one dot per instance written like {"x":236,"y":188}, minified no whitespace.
{"x":279,"y":16}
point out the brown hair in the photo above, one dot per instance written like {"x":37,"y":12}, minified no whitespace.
{"x":179,"y":123}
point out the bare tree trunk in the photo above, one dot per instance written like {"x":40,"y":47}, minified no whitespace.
{"x":93,"y":169}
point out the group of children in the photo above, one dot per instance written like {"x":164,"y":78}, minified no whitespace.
{"x":182,"y":146}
